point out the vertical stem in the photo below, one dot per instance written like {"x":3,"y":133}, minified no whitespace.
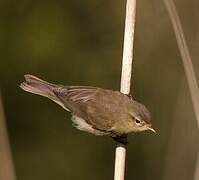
{"x":128,"y":47}
{"x":6,"y":164}
{"x":185,"y":55}
{"x":188,"y":66}
{"x":120,"y":156}
{"x":120,"y":152}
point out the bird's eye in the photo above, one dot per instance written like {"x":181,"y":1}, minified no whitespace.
{"x":137,"y":121}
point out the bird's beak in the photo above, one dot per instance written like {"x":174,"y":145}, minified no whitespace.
{"x":151,"y":129}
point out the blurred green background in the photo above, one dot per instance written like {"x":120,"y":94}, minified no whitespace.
{"x":80,"y":43}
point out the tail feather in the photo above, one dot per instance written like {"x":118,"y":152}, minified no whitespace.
{"x":35,"y":85}
{"x":38,"y":86}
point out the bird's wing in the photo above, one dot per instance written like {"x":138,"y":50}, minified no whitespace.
{"x":88,"y":103}
{"x":75,"y":93}
{"x":75,"y":99}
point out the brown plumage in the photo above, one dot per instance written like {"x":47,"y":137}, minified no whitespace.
{"x":95,"y":110}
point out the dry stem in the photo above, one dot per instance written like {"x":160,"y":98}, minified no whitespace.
{"x":6,"y":165}
{"x":120,"y":152}
{"x":187,"y":62}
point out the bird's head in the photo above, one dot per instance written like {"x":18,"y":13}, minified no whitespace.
{"x":140,"y":116}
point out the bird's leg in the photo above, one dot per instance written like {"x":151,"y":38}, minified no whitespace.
{"x":121,"y":139}
{"x":130,"y":96}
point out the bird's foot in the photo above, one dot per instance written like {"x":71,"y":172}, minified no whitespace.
{"x":121,"y":139}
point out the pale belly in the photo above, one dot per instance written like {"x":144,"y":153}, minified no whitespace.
{"x":82,"y":125}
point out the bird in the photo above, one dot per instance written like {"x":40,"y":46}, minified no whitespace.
{"x":95,"y":110}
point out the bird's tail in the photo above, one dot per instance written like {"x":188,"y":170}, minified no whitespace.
{"x":35,"y":85}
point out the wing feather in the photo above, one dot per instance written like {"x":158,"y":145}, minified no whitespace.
{"x":76,"y":93}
